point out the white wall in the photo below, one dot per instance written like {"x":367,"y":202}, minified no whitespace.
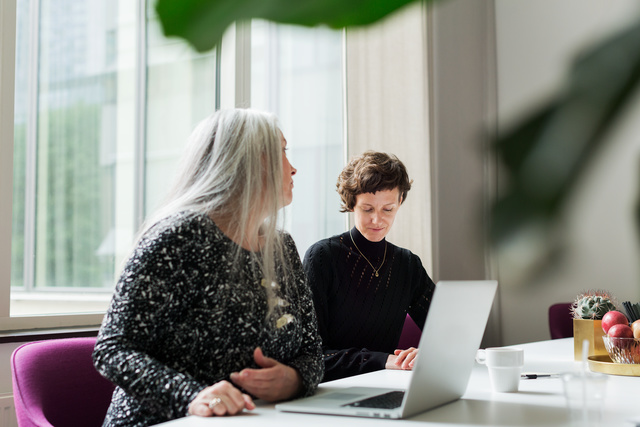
{"x":5,"y":366}
{"x":492,"y":61}
{"x":461,"y":60}
{"x":536,"y":41}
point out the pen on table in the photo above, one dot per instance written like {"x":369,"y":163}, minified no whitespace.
{"x":536,"y":376}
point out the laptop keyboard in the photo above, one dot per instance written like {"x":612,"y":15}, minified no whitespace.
{"x":390,"y":400}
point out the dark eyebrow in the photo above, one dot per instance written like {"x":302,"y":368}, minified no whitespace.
{"x":385,"y":205}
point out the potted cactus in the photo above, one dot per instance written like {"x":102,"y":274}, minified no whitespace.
{"x":587,"y":310}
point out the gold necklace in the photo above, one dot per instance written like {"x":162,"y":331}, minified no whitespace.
{"x":384,"y":257}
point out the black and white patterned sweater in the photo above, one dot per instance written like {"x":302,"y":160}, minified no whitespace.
{"x":181,"y":320}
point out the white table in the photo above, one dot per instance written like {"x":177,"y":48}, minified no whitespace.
{"x":539,"y":402}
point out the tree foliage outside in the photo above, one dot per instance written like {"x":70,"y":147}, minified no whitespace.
{"x":18,"y":207}
{"x":74,"y":223}
{"x":72,"y":193}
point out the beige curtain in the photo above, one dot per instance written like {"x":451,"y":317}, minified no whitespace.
{"x":387,"y":110}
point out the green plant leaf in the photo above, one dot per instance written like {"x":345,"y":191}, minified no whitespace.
{"x":545,"y":155}
{"x":202,"y":22}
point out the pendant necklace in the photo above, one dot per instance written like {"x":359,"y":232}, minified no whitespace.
{"x":384,"y":257}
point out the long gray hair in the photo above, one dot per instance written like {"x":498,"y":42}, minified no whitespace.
{"x":232,"y":171}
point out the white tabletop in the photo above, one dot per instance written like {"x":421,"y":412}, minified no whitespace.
{"x":539,"y":402}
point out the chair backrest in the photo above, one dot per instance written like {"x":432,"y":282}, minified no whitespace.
{"x":411,"y":334}
{"x":560,"y":320}
{"x":56,"y":384}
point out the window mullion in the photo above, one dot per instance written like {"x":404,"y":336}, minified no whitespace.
{"x":243,"y":64}
{"x":31,"y":149}
{"x":274,"y":69}
{"x":218,"y":82}
{"x":141,"y":117}
{"x":235,"y":66}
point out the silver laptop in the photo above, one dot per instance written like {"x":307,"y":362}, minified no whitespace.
{"x":451,"y":336}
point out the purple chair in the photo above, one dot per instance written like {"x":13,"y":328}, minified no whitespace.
{"x":56,"y":384}
{"x":411,"y":334}
{"x":560,"y":320}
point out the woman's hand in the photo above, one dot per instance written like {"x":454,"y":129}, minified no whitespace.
{"x":273,"y":382}
{"x":220,"y":399}
{"x":402,"y":359}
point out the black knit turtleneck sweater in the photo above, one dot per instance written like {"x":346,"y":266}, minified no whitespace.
{"x":360,"y":316}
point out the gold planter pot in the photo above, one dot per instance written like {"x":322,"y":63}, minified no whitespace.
{"x":590,"y":330}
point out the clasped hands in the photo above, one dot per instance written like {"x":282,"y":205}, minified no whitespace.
{"x":272,"y":382}
{"x":402,"y":359}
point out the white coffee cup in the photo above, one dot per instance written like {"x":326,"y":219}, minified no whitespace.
{"x":505,"y":366}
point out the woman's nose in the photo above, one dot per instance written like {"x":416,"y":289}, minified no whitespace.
{"x":293,"y":170}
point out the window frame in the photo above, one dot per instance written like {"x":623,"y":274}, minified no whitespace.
{"x":233,"y":90}
{"x":7,"y":82}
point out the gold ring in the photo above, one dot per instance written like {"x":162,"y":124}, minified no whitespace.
{"x":215,"y":401}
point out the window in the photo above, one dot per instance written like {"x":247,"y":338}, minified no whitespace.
{"x":71,"y":64}
{"x":103,"y":104}
{"x":297,"y":73}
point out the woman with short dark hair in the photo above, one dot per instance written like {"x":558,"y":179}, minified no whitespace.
{"x":363,"y":286}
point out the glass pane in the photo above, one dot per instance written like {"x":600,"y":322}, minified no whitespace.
{"x":79,"y":95}
{"x":181,"y":91}
{"x":21,"y":110}
{"x":76,"y":133}
{"x":74,"y":105}
{"x":296,"y":72}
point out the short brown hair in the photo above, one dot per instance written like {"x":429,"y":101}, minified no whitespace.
{"x":371,"y":172}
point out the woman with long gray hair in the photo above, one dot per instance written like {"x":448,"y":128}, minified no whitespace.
{"x":212,"y":307}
